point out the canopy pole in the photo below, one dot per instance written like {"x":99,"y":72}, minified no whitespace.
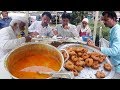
{"x":100,"y":33}
{"x":95,"y":25}
{"x":27,"y":16}
{"x":56,"y":18}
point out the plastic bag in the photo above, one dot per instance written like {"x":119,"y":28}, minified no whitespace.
{"x":103,"y":43}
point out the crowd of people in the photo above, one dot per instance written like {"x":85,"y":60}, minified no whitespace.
{"x":65,"y":29}
{"x":11,"y":28}
{"x":43,"y":28}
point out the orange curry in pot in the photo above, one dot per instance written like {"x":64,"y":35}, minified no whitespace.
{"x":32,"y":62}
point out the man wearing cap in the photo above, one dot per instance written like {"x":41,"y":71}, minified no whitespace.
{"x":8,"y":36}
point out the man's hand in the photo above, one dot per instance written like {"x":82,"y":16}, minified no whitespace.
{"x":28,"y":38}
{"x":90,"y":42}
{"x":55,"y":32}
{"x":34,"y":34}
{"x":66,"y":27}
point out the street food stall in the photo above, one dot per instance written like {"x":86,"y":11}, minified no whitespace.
{"x":56,"y":48}
{"x":55,"y":58}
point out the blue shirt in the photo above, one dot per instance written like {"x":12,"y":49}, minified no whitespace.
{"x":114,"y":47}
{"x":5,"y":22}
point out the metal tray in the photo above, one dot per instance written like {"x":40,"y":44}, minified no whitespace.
{"x":89,"y":73}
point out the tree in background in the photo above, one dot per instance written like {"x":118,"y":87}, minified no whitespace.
{"x":77,"y":16}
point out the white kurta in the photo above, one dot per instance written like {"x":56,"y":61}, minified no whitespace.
{"x":71,"y":32}
{"x":43,"y":31}
{"x":8,"y":40}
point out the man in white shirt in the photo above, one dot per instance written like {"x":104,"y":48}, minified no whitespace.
{"x":66,"y":29}
{"x":41,"y":28}
{"x":8,"y":36}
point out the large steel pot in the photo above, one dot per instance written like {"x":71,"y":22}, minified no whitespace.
{"x":20,"y":52}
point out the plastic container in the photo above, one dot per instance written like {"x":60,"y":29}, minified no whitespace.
{"x":84,"y":38}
